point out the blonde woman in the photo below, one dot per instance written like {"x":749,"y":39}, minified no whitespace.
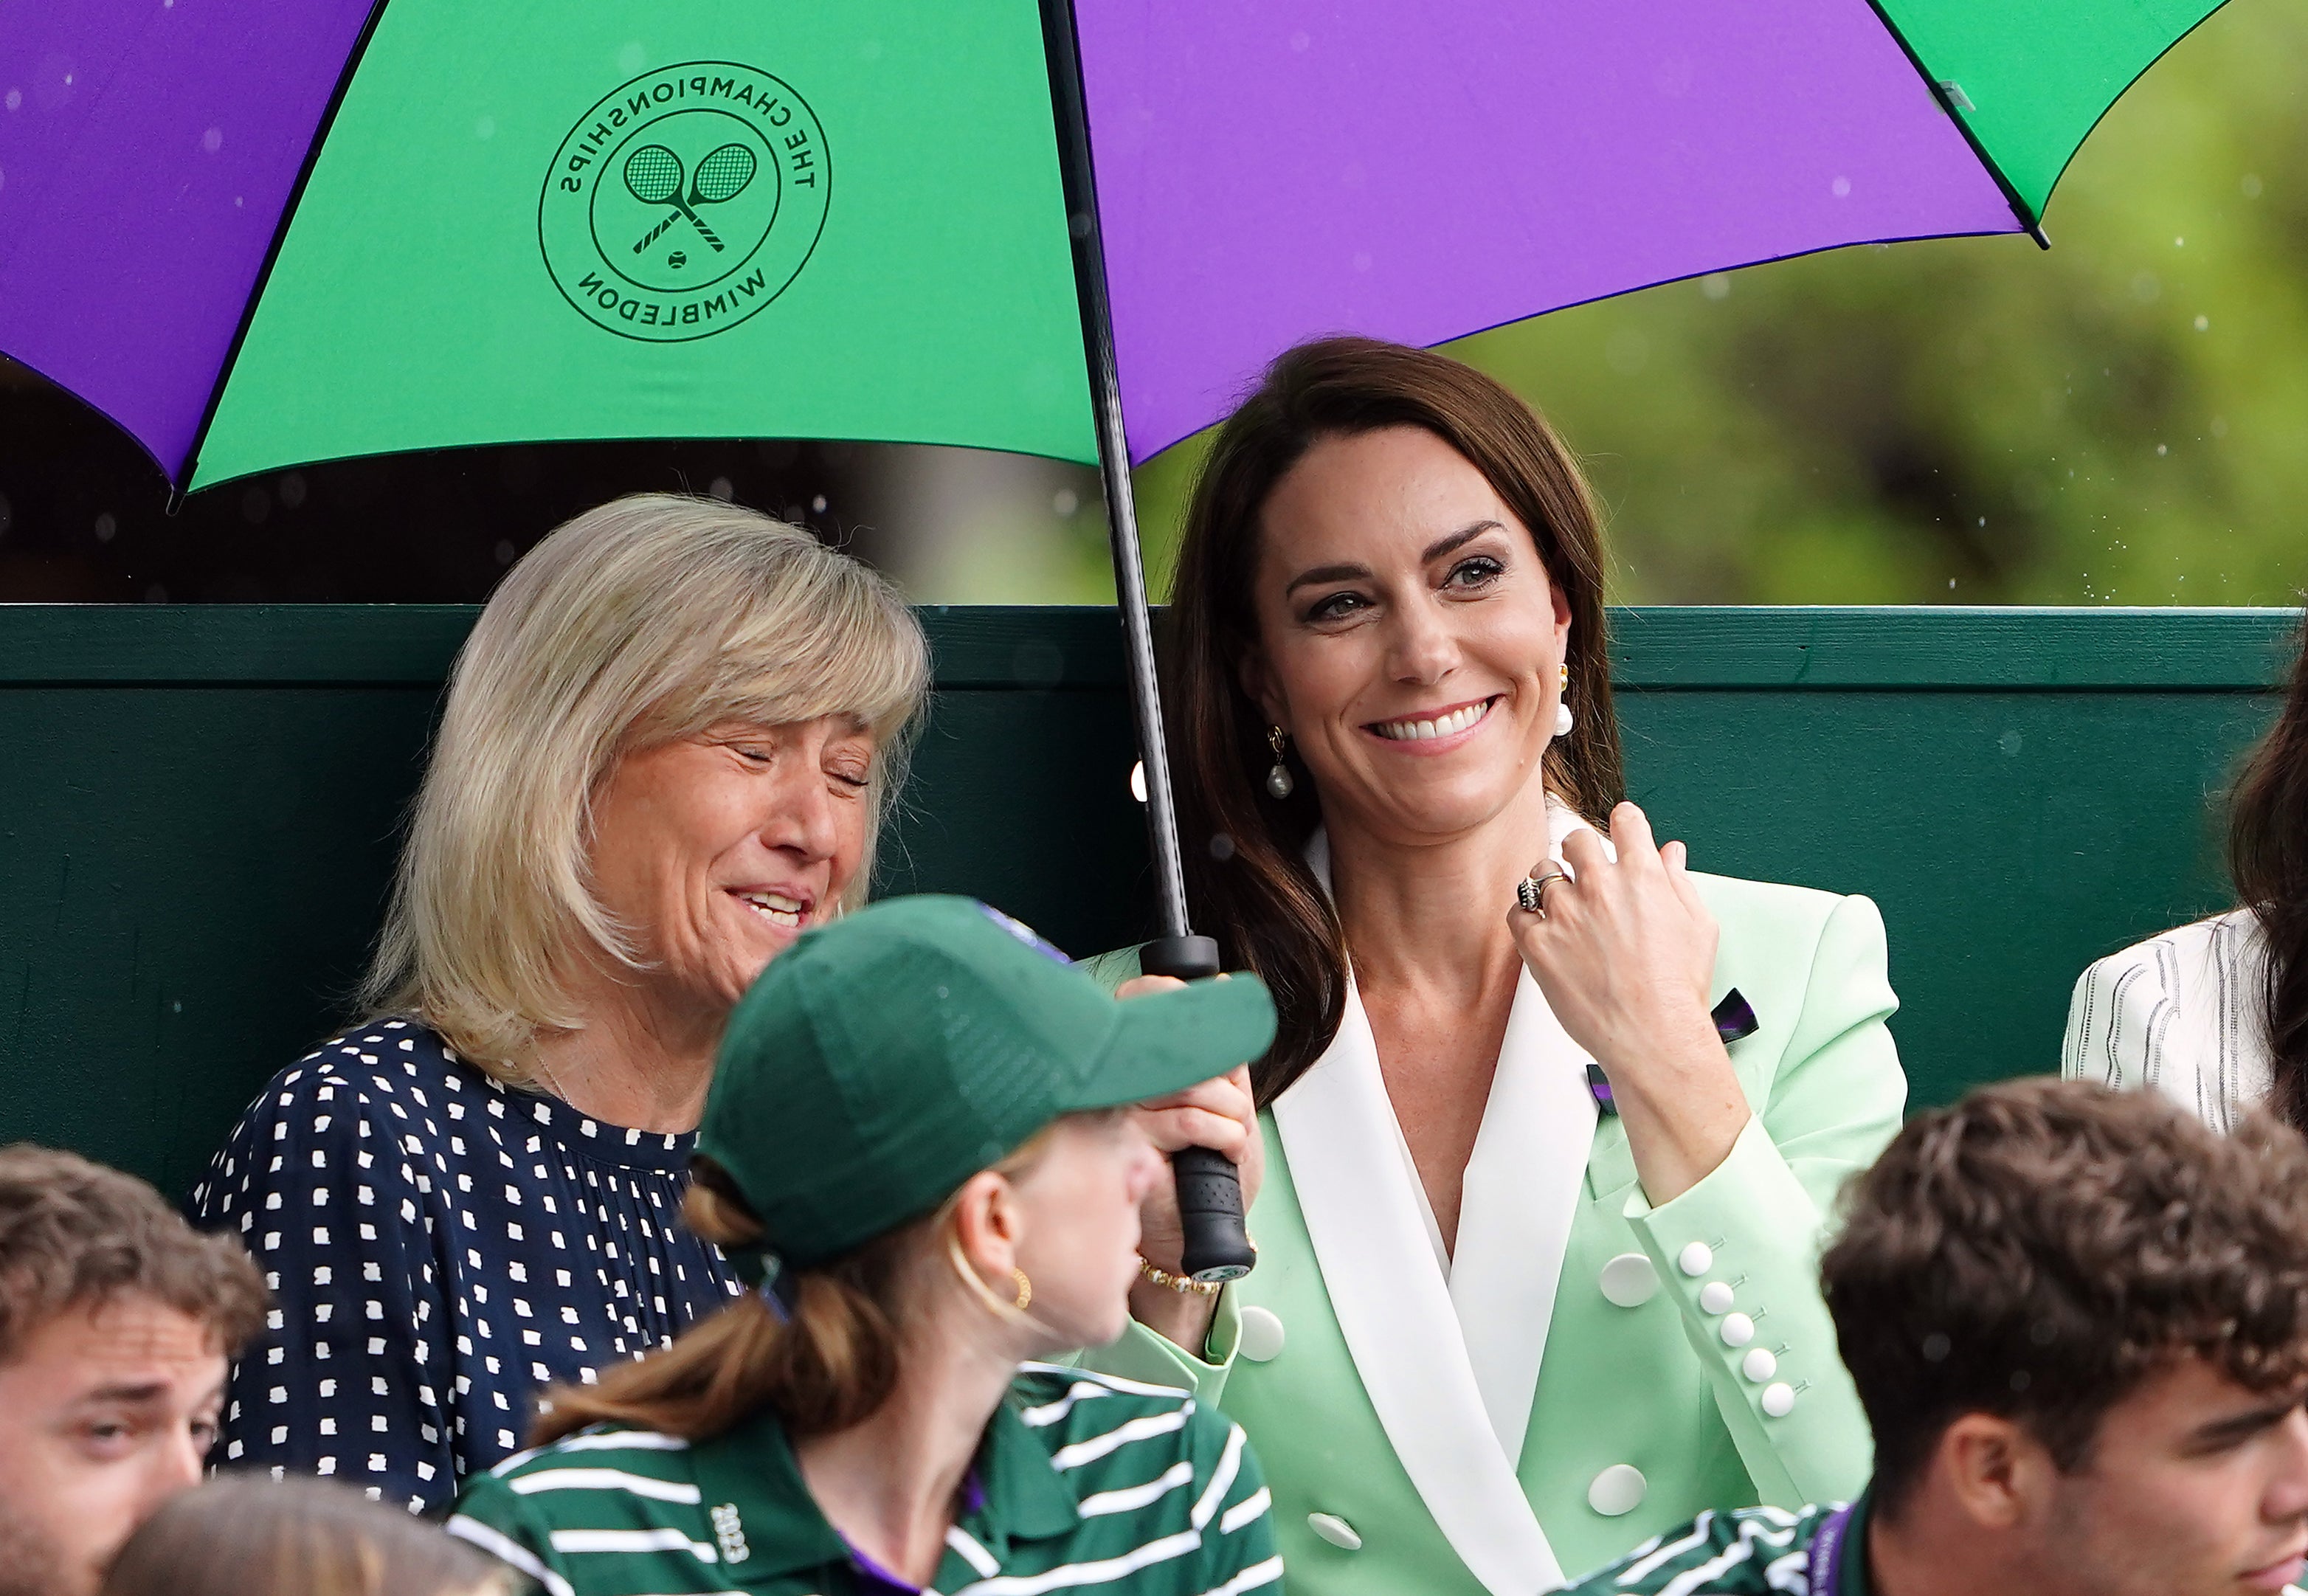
{"x":666,"y":748}
{"x":917,"y":1132}
{"x":258,"y":1537}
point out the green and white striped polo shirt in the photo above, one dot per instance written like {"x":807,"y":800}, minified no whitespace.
{"x":1085,"y":1483}
{"x":1749,"y":1551}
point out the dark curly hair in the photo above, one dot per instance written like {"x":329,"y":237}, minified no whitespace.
{"x":77,"y":1235}
{"x":2042,"y":1247}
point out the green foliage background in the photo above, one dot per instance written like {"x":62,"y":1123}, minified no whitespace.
{"x":2122,"y":419}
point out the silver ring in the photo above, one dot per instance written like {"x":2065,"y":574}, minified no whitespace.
{"x":1530,"y":892}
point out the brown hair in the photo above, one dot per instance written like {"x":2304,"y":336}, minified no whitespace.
{"x":249,"y":1535}
{"x":830,"y":1365}
{"x":1244,"y":852}
{"x":76,"y":1234}
{"x":2268,"y":859}
{"x":2043,"y":1246}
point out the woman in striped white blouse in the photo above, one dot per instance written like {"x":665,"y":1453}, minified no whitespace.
{"x":2215,"y":1015}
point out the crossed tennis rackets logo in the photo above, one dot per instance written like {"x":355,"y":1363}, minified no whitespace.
{"x":653,"y":175}
{"x":684,"y":201}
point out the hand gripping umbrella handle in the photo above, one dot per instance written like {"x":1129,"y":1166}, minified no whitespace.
{"x":1210,"y":1193}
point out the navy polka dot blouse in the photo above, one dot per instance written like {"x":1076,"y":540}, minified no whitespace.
{"x":439,"y":1246}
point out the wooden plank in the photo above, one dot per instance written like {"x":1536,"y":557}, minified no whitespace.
{"x":1042,"y":648}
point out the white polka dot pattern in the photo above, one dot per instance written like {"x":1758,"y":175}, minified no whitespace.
{"x":439,"y":1247}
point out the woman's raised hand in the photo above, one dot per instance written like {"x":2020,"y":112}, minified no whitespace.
{"x":1219,"y":1114}
{"x":1624,"y":952}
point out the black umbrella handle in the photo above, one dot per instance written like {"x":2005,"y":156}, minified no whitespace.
{"x":1210,"y":1192}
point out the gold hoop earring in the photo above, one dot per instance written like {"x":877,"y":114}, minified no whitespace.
{"x":1025,"y":1290}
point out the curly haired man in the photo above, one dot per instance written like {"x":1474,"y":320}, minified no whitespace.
{"x":2079,"y":1323}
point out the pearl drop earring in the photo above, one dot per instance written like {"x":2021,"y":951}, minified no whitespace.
{"x":1279,"y":781}
{"x":1564,"y":721}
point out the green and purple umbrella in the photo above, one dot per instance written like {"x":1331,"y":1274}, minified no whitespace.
{"x":262,"y":232}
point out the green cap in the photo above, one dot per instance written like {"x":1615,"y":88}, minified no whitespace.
{"x":888,"y":1057}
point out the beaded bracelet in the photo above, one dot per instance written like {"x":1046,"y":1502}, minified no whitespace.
{"x":1184,"y":1284}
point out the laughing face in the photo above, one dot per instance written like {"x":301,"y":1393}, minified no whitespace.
{"x":717,"y":851}
{"x":1409,"y":638}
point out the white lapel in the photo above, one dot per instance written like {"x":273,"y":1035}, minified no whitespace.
{"x":1522,"y":1191}
{"x":1450,"y":1368}
{"x":1338,"y":1133}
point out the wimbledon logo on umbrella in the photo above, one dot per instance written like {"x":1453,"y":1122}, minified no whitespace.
{"x":685,"y":202}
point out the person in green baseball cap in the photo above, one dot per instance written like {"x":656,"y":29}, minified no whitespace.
{"x":919,"y":1142}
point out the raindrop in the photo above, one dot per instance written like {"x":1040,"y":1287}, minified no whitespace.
{"x":2179,"y":244}
{"x":1362,"y":260}
{"x":504,"y":551}
{"x":818,"y":504}
{"x":1840,"y":187}
{"x":2163,"y":448}
{"x":1627,"y":353}
{"x":105,"y":527}
{"x":1065,"y":502}
{"x":16,"y":98}
{"x":1983,"y":521}
{"x":212,"y":141}
{"x":2251,"y":179}
{"x":1221,"y":848}
{"x":1715,"y":285}
{"x":485,"y":128}
{"x":720,"y":488}
{"x":2219,"y":427}
{"x":2146,"y":289}
{"x":629,"y":59}
{"x":1299,"y":40}
{"x":1951,"y":585}
{"x":156,"y":594}
{"x":291,"y":490}
{"x":8,"y":515}
{"x":256,"y":506}
{"x":1936,"y":1347}
{"x":2203,"y":324}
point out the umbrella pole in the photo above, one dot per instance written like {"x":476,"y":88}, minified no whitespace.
{"x":1209,"y":1195}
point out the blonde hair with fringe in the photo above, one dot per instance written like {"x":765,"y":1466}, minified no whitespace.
{"x":640,"y":622}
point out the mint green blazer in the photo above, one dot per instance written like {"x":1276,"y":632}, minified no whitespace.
{"x":1650,"y":1402}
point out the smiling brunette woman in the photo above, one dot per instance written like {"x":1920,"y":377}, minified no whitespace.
{"x":1540,"y":1183}
{"x":667,"y":747}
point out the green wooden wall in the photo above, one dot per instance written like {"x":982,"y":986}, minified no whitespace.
{"x":198,"y":808}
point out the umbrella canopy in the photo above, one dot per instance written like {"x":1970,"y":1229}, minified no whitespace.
{"x":1421,"y":169}
{"x":262,"y":232}
{"x":426,"y":223}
